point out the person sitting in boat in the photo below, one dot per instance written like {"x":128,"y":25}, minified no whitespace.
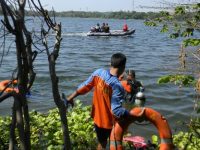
{"x":92,"y":29}
{"x":103,"y":27}
{"x":106,"y":28}
{"x":131,"y":86}
{"x":125,"y":28}
{"x":97,"y":28}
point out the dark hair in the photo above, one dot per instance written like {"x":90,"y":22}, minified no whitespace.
{"x":118,"y":60}
{"x":131,"y":72}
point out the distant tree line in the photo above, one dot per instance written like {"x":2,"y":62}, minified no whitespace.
{"x":107,"y":15}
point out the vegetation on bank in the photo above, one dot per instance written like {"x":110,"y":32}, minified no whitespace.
{"x":46,"y":131}
{"x":107,"y":15}
{"x":115,"y":15}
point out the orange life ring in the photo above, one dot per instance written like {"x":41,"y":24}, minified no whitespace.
{"x":3,"y":85}
{"x":140,"y":113}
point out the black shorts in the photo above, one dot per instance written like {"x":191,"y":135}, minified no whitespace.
{"x":102,"y":134}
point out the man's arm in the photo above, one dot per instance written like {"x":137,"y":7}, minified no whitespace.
{"x":116,"y":102}
{"x":83,"y":88}
{"x":72,"y":96}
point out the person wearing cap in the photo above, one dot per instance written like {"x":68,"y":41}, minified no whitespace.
{"x":108,"y":95}
{"x":97,"y":28}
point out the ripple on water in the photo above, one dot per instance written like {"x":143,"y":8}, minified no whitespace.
{"x":148,"y":52}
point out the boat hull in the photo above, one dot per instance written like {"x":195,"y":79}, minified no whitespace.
{"x":112,"y":33}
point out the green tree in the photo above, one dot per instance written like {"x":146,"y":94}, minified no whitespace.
{"x":184,"y":23}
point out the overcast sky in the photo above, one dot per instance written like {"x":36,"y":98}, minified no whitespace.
{"x":107,"y":5}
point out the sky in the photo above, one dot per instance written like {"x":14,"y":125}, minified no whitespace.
{"x":108,"y":5}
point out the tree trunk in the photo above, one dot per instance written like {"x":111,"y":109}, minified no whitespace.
{"x":57,"y":99}
{"x":20,"y":125}
{"x":12,"y":129}
{"x":23,"y":77}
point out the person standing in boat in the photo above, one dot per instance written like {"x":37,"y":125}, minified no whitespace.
{"x":108,"y":95}
{"x":125,"y":27}
{"x":93,"y":29}
{"x":106,"y":28}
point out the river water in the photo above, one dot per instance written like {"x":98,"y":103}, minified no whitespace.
{"x":150,"y":53}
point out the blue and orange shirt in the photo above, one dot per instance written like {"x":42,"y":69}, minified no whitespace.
{"x":107,"y":97}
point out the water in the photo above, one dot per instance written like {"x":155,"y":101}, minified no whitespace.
{"x":150,"y":53}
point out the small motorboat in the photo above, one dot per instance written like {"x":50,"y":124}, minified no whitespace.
{"x":112,"y":33}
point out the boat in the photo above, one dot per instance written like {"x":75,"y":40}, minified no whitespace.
{"x":112,"y":33}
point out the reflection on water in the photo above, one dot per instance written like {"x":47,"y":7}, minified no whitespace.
{"x":149,"y":53}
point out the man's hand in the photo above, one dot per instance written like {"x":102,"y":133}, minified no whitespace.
{"x":66,"y":101}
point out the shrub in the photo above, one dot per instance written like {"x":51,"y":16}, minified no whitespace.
{"x":46,"y":132}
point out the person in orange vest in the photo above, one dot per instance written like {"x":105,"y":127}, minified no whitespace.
{"x":125,"y":27}
{"x":108,"y":95}
{"x":131,"y":86}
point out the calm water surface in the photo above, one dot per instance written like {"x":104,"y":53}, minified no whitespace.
{"x":150,"y":53}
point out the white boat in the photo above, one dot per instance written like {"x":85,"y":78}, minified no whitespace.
{"x":112,"y":33}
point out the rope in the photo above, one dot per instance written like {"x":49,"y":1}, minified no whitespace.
{"x":166,"y":141}
{"x":142,"y":123}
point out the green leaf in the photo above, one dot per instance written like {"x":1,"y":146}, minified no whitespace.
{"x":158,"y":19}
{"x":164,"y":79}
{"x":198,"y":110}
{"x":174,"y":35}
{"x":164,"y":13}
{"x":187,"y":32}
{"x":185,"y":80}
{"x":154,"y":139}
{"x":179,"y":10}
{"x":196,"y":6}
{"x":165,"y":28}
{"x":191,"y":42}
{"x":150,"y":23}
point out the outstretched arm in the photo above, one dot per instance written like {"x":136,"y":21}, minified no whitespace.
{"x":72,"y":96}
{"x":83,"y":88}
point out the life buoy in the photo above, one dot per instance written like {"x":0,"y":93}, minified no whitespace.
{"x":141,"y":113}
{"x":3,"y":85}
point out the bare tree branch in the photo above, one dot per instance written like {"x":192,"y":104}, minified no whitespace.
{"x":6,"y":9}
{"x":52,"y":57}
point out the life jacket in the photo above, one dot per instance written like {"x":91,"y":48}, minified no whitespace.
{"x":131,"y":89}
{"x":125,"y":27}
